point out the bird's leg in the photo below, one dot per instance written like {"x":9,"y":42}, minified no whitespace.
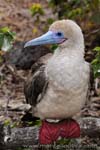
{"x":50,"y":132}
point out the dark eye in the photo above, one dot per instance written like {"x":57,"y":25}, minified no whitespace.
{"x":59,"y":34}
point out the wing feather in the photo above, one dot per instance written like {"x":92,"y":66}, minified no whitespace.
{"x":35,"y":86}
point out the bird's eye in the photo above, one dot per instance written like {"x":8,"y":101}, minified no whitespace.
{"x":59,"y":34}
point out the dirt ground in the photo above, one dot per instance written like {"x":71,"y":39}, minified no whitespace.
{"x":16,"y":15}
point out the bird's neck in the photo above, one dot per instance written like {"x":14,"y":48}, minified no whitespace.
{"x":71,"y":50}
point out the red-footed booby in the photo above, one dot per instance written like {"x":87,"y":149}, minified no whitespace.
{"x":59,"y":89}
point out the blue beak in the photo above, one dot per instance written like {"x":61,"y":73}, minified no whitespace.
{"x":48,"y":38}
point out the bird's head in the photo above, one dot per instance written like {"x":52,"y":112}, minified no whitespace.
{"x":63,"y":32}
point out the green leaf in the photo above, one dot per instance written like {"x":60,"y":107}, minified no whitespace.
{"x":96,"y":75}
{"x":53,"y":47}
{"x":4,"y":30}
{"x":50,"y":20}
{"x":36,"y":8}
{"x":95,"y":61}
{"x":6,"y":38}
{"x":14,"y":124}
{"x":37,"y":122}
{"x":7,"y":122}
{"x":30,"y":123}
{"x":97,"y":49}
{"x":1,"y":39}
{"x":96,"y":68}
{"x":12,"y":34}
{"x":1,"y":60}
{"x":63,"y":141}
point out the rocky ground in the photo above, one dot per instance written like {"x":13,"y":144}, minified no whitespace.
{"x":17,"y":16}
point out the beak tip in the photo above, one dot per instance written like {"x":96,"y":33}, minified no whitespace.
{"x":26,"y":44}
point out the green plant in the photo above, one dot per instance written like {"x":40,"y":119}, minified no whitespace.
{"x":77,"y":9}
{"x":63,"y":141}
{"x":36,"y":8}
{"x":7,"y":122}
{"x":37,"y":123}
{"x":54,"y":47}
{"x":96,"y":63}
{"x":6,"y":38}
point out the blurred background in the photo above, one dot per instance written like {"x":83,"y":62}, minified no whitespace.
{"x":30,"y":18}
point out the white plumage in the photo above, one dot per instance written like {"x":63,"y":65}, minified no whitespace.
{"x":67,"y":73}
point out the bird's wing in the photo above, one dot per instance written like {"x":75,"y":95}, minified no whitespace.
{"x":36,"y":86}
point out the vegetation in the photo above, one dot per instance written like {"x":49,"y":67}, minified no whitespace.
{"x":36,"y":8}
{"x":6,"y":38}
{"x":96,"y":63}
{"x":77,"y":9}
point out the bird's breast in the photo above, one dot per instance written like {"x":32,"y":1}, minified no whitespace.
{"x":67,"y":73}
{"x":67,"y":89}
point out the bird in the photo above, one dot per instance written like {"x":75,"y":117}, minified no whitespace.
{"x":59,"y":88}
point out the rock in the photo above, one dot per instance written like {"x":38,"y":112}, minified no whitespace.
{"x":19,"y":107}
{"x":2,"y":147}
{"x":16,"y":138}
{"x":24,"y":58}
